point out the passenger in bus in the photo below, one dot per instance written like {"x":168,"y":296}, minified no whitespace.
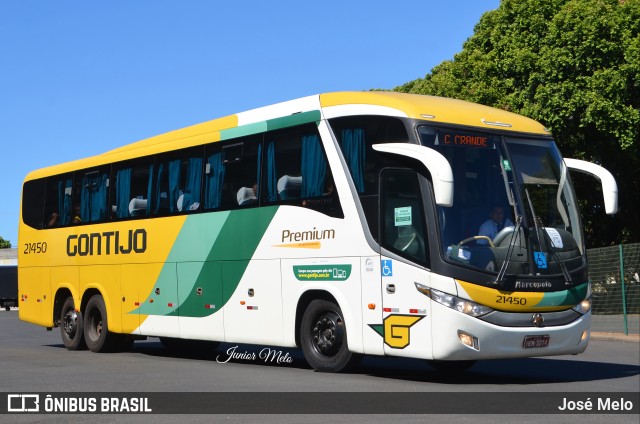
{"x":53,"y":220}
{"x":76,"y":215}
{"x":491,"y":227}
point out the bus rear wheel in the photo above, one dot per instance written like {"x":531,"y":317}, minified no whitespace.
{"x":96,"y":329}
{"x":71,"y":326}
{"x":323,"y":337}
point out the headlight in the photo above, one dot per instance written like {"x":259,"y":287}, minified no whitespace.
{"x":454,"y":302}
{"x":583,"y":307}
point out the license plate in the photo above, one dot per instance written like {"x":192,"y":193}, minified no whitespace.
{"x":535,"y":341}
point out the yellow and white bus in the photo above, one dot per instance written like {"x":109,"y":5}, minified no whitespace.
{"x":345,"y":224}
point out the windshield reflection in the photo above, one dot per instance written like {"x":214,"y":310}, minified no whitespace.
{"x":514,"y":212}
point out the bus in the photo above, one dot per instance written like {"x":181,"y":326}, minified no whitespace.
{"x":344,"y":224}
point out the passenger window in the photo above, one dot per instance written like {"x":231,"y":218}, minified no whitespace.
{"x":132,"y":189}
{"x":402,"y":222}
{"x":296,"y":172}
{"x":33,"y":200}
{"x":177,"y":182}
{"x":241,"y":162}
{"x":58,"y":207}
{"x":91,"y":204}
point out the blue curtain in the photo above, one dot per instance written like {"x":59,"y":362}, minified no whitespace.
{"x":64,"y":201}
{"x":353,"y":149}
{"x":272,"y":174}
{"x":313,"y":167}
{"x":213,"y":182}
{"x":123,"y":192}
{"x":174,"y":185}
{"x":193,"y":184}
{"x":158,"y":192}
{"x":93,"y":197}
{"x":149,"y":190}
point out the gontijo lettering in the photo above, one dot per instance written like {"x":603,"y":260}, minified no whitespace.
{"x":107,"y":243}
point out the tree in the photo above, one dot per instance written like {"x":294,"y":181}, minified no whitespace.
{"x":4,"y":244}
{"x":573,"y":65}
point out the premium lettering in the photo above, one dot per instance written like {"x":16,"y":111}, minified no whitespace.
{"x":107,"y":243}
{"x":315,"y":234}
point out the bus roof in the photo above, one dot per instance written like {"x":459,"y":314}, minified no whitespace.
{"x":431,"y":108}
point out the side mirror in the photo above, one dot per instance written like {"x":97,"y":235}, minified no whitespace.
{"x":609,"y":186}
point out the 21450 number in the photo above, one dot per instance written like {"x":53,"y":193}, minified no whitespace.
{"x":35,"y":248}
{"x":511,"y":300}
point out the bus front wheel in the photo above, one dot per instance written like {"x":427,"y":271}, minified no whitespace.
{"x":71,"y":326}
{"x":96,"y":330}
{"x":323,"y":337}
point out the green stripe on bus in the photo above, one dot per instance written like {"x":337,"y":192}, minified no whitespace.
{"x":207,"y":281}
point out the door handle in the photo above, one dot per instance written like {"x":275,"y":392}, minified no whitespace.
{"x":391,"y":288}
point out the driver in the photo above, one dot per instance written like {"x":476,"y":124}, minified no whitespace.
{"x":491,"y":227}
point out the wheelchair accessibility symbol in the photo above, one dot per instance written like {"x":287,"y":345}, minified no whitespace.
{"x":540,"y":259}
{"x":387,"y":268}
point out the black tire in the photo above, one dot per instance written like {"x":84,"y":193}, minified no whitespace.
{"x":96,"y":328}
{"x":71,"y":326}
{"x":323,"y":336}
{"x":452,"y":367}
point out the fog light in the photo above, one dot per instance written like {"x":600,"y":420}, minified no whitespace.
{"x":468,"y":340}
{"x":584,"y":336}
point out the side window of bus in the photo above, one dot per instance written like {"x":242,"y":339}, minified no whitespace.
{"x":177,"y":182}
{"x":402,"y":222}
{"x":356,"y":135}
{"x":131,"y":189}
{"x":33,"y":199}
{"x":232,"y":178}
{"x":295,"y":171}
{"x":58,"y":205}
{"x":90,"y":196}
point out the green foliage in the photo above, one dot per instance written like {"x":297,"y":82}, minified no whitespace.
{"x":573,"y":65}
{"x":4,"y":244}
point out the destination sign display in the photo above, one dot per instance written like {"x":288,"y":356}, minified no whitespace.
{"x":466,"y":139}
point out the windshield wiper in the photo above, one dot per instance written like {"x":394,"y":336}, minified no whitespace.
{"x":537,"y":223}
{"x":505,"y":264}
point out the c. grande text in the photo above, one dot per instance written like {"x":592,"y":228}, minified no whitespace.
{"x":107,"y":243}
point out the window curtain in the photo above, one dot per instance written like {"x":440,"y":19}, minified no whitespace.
{"x":353,"y":149}
{"x":64,"y":201}
{"x":123,"y":192}
{"x":174,"y":185}
{"x":149,"y":190}
{"x":272,"y":174}
{"x":214,"y":181}
{"x":259,"y":173}
{"x":158,"y":192}
{"x":313,"y":167}
{"x":93,"y":197}
{"x":193,"y":184}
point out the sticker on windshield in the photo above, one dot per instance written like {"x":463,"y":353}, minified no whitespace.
{"x":506,"y":165}
{"x":541,"y":259}
{"x":556,"y":239}
{"x":402,"y":216}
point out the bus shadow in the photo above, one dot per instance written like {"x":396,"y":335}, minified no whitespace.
{"x":507,"y":371}
{"x":527,"y":371}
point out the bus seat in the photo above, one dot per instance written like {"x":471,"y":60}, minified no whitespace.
{"x":246,"y":196}
{"x":138,"y":207}
{"x":289,"y":187}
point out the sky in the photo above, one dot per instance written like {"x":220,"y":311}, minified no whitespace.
{"x":78,"y":78}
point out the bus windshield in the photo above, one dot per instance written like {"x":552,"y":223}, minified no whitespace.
{"x":514,"y":210}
